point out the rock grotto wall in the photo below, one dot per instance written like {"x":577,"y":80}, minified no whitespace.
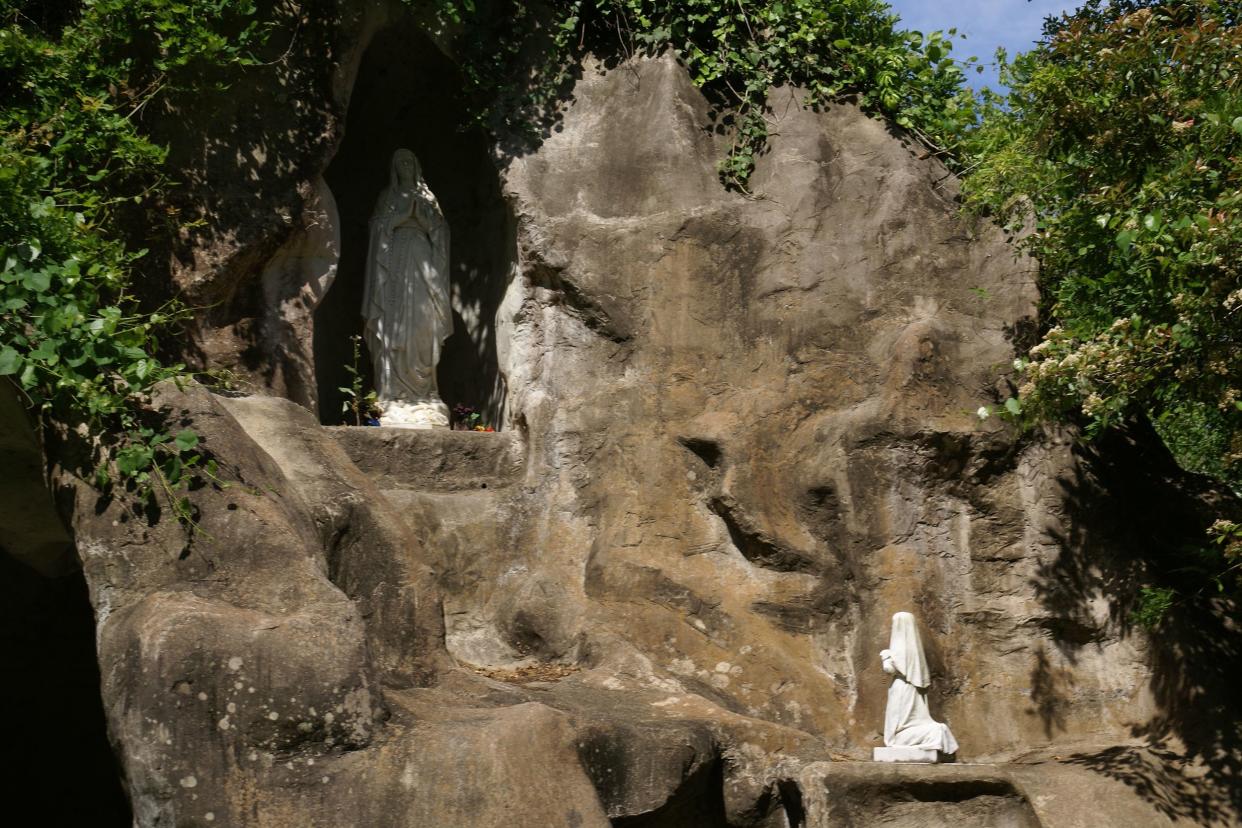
{"x":760,"y":414}
{"x":740,"y":436}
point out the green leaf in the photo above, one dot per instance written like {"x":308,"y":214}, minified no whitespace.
{"x":186,"y":440}
{"x":172,"y":470}
{"x":132,"y":459}
{"x":1124,"y":240}
{"x":1237,"y":124}
{"x":10,"y":361}
{"x":37,"y":280}
{"x":1013,"y":406}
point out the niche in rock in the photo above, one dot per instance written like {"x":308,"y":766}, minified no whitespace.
{"x":408,"y":94}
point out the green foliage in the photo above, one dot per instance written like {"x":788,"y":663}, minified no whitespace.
{"x":1152,"y":606}
{"x":1119,"y":148}
{"x":736,"y":50}
{"x":1214,"y":570}
{"x":1198,"y":435}
{"x":1227,"y":536}
{"x":74,"y":83}
{"x":356,"y":401}
{"x":1121,"y":143}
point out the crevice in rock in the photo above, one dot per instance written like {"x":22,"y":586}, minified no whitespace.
{"x":819,"y":510}
{"x":1070,"y":631}
{"x":756,"y":547}
{"x":791,"y":801}
{"x":576,"y":301}
{"x":951,"y":803}
{"x":799,"y":617}
{"x":709,"y":451}
{"x":831,"y":599}
{"x":699,"y":801}
{"x":523,"y":635}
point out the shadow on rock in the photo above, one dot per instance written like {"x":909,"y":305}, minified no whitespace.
{"x":1140,"y":521}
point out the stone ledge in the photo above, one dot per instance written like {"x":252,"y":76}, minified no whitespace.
{"x":433,"y":460}
{"x":926,"y":794}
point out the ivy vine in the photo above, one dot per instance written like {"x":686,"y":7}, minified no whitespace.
{"x":519,"y":59}
{"x":75,"y":165}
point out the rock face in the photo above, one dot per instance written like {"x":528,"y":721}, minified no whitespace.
{"x":762,"y":413}
{"x":738,"y":434}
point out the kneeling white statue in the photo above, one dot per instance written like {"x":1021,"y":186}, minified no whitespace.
{"x":406,"y":302}
{"x":910,"y":733}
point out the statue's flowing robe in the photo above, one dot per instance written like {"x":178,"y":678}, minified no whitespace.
{"x":907,"y":721}
{"x":406,"y":300}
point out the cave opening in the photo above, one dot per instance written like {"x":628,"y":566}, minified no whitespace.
{"x":408,"y":94}
{"x":56,"y":755}
{"x":56,"y":752}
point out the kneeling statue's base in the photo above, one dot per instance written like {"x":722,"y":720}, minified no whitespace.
{"x":401,"y":414}
{"x":905,"y":754}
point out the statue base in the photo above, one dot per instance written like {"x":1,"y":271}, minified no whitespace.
{"x":905,"y":754}
{"x":401,"y":414}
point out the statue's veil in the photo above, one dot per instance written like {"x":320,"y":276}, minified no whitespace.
{"x":907,"y":650}
{"x":393,"y":182}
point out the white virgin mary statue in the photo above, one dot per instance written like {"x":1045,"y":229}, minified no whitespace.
{"x":406,"y":303}
{"x":907,"y":722}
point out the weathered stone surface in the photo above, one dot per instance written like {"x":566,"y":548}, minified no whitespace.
{"x":761,"y":413}
{"x":369,"y":551}
{"x":295,"y":281}
{"x":434,"y":461}
{"x":954,"y":796}
{"x":232,"y":639}
{"x":738,"y":435}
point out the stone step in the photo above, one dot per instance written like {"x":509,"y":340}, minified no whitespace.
{"x":918,"y":796}
{"x":434,"y":460}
